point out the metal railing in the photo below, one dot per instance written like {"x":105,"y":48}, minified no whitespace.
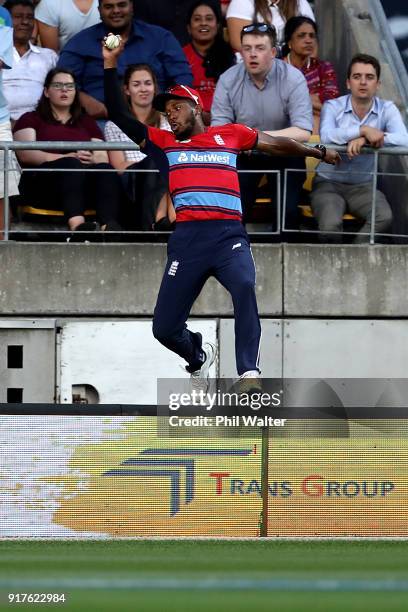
{"x":281,"y":207}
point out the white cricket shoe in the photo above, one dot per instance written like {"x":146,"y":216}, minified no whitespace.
{"x":249,"y":382}
{"x":200,"y":378}
{"x":250,"y":374}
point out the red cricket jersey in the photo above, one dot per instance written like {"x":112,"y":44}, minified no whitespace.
{"x":203,"y":178}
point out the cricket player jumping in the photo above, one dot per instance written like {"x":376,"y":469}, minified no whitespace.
{"x":209,"y":239}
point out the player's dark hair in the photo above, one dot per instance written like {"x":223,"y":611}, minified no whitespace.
{"x":363,"y":58}
{"x":154,"y":116}
{"x":44,"y":108}
{"x":219,"y":56}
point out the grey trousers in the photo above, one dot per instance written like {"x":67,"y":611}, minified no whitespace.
{"x":330,"y":200}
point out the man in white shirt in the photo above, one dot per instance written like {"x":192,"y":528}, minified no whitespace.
{"x":6,"y":60}
{"x":23,"y":84}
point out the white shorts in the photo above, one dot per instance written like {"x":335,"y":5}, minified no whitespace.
{"x":14,"y":169}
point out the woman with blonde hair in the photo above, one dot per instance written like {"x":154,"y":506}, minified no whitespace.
{"x":276,"y":12}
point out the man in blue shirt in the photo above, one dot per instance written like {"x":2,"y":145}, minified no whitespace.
{"x":357,"y":119}
{"x":6,"y":62}
{"x":144,"y":43}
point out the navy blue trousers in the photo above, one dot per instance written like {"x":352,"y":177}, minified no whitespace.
{"x":196,"y":251}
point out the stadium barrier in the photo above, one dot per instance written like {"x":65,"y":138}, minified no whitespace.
{"x":105,"y":476}
{"x":281,"y":206}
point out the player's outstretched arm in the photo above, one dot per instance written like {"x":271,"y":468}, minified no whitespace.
{"x":114,"y":100}
{"x":278,"y":145}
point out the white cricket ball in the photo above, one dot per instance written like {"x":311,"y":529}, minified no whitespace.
{"x":112,"y":41}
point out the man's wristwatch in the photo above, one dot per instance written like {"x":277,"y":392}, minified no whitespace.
{"x":322,"y":150}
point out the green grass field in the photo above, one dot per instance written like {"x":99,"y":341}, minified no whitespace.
{"x":180,"y":575}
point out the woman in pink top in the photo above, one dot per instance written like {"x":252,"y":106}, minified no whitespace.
{"x":208,"y":54}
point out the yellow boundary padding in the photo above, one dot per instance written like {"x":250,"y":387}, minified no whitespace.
{"x":311,"y":165}
{"x":31,"y":210}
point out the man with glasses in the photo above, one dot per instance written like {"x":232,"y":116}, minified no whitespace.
{"x":209,"y":239}
{"x":23,"y":84}
{"x":272,"y":96}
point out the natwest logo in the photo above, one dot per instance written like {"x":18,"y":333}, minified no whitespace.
{"x":206,"y":158}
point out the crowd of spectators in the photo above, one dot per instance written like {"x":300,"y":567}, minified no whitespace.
{"x":254,"y":62}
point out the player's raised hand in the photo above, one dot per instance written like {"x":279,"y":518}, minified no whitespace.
{"x":112,"y":47}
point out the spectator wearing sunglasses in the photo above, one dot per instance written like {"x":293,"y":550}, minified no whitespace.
{"x":272,"y":96}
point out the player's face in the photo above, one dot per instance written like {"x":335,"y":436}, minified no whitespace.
{"x":182,"y":117}
{"x":203,"y":25}
{"x":258,"y":54}
{"x":117,"y":15}
{"x":363,"y":82}
{"x":140,"y":88}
